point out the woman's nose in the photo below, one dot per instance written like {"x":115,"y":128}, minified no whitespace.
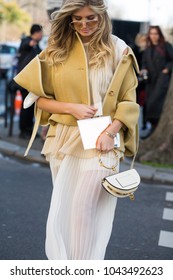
{"x":84,"y":24}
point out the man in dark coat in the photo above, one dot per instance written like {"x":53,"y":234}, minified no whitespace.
{"x":28,"y":49}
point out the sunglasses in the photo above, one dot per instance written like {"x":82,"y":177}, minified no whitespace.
{"x":79,"y":24}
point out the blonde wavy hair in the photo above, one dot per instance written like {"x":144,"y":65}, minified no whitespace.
{"x":62,"y":37}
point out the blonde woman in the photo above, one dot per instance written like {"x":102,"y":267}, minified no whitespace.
{"x":85,"y":71}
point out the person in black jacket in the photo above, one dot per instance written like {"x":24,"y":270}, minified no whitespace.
{"x":28,"y":49}
{"x":157,"y":64}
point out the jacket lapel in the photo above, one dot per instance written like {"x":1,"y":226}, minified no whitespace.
{"x":116,"y":82}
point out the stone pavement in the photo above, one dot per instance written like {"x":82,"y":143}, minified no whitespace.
{"x":15,"y":147}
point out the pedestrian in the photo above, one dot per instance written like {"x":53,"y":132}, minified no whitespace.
{"x":74,"y":78}
{"x":157,"y":67}
{"x":28,"y":49}
{"x":138,"y":49}
{"x":52,"y":6}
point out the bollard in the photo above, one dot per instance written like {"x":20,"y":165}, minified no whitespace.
{"x":18,"y":102}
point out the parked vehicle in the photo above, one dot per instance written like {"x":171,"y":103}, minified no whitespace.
{"x":8,"y":58}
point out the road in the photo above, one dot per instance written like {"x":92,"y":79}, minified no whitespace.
{"x":139,"y":230}
{"x":24,"y":201}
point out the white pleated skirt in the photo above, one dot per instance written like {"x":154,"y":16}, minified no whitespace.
{"x":81,"y":212}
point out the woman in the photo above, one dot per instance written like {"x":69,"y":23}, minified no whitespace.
{"x":85,"y":71}
{"x":157,"y":65}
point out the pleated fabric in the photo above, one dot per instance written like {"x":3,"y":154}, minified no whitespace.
{"x":81,"y":212}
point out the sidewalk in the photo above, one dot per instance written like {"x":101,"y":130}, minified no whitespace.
{"x":15,"y":147}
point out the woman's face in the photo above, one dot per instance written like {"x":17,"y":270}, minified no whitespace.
{"x":154,"y":36}
{"x":85,"y":22}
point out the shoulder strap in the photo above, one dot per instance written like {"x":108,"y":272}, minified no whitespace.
{"x":35,"y":129}
{"x":137,"y":146}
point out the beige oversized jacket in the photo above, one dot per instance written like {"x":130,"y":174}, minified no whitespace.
{"x":68,"y":82}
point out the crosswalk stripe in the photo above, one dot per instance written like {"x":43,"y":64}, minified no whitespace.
{"x":169,"y":196}
{"x":166,"y":239}
{"x":168,"y":214}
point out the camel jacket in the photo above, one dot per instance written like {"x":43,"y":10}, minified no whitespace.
{"x":69,"y":82}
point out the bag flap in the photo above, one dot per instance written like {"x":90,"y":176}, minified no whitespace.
{"x":124,"y":180}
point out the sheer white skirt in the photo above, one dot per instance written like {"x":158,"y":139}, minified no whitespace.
{"x":81,"y":212}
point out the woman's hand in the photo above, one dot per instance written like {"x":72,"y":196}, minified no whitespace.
{"x":82,"y":111}
{"x":165,"y":71}
{"x":104,"y":143}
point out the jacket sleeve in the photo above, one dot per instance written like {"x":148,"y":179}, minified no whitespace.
{"x":128,"y":111}
{"x":36,"y":77}
{"x":169,"y":56}
{"x":144,"y":60}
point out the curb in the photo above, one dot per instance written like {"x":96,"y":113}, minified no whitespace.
{"x":152,"y":174}
{"x":14,"y":150}
{"x":147,"y":173}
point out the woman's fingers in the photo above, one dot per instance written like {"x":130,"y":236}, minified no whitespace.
{"x":83,"y":111}
{"x":104,"y":144}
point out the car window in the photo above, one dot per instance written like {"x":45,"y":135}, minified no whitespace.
{"x":7,"y":49}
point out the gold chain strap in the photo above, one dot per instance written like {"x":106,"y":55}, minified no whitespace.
{"x":112,"y":167}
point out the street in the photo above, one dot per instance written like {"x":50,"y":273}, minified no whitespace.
{"x":142,"y":228}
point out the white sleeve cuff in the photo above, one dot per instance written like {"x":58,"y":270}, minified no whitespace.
{"x":29,"y":100}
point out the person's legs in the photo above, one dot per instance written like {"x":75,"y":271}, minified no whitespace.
{"x":26,"y":119}
{"x":144,"y":121}
{"x":81,"y":212}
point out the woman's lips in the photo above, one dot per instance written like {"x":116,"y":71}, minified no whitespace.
{"x":85,"y":30}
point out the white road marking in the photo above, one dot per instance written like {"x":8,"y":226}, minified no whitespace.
{"x":166,"y":239}
{"x":168,"y":214}
{"x":169,"y":196}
